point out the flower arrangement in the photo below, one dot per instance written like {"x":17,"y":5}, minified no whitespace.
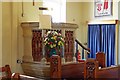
{"x":53,"y":39}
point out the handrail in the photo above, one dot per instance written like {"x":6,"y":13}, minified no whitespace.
{"x":82,"y":46}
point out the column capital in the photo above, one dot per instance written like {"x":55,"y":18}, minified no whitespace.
{"x":28,"y":27}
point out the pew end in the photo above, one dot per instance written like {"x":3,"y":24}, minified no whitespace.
{"x":7,"y":74}
{"x":90,"y":68}
{"x":100,"y":57}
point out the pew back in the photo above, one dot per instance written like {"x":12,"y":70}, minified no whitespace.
{"x":88,"y":70}
{"x":5,"y":73}
{"x":73,"y":70}
{"x":100,"y":57}
{"x":109,"y":72}
{"x":92,"y":71}
{"x":65,"y":71}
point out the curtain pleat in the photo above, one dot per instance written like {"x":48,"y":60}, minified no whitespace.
{"x":102,"y":38}
{"x":93,"y":40}
{"x":108,"y":43}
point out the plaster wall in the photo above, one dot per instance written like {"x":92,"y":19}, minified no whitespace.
{"x":119,"y":33}
{"x":0,"y":33}
{"x":6,"y":33}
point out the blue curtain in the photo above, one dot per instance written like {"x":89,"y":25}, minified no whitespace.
{"x":93,"y":40}
{"x":102,"y":38}
{"x":108,"y":43}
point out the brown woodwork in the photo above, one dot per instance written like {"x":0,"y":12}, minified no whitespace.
{"x":73,"y":70}
{"x":37,"y":45}
{"x":33,"y":3}
{"x":55,"y":66}
{"x":100,"y":57}
{"x":90,"y":68}
{"x":109,"y":73}
{"x":6,"y":73}
{"x":69,"y":46}
{"x":92,"y":72}
{"x":82,"y":45}
{"x":65,"y":71}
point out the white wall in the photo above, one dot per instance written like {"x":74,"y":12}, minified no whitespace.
{"x":30,"y":12}
{"x":0,"y":33}
{"x":73,"y":15}
{"x":9,"y":35}
{"x":81,"y":12}
{"x":6,"y":33}
{"x":88,"y":10}
{"x":119,"y":10}
{"x":119,"y":32}
{"x":14,"y":36}
{"x":119,"y":46}
{"x":88,"y":15}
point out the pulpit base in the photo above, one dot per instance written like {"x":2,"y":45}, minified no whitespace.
{"x":36,"y":69}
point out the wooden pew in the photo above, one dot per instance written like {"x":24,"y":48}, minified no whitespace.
{"x":73,"y":70}
{"x":108,"y":73}
{"x":90,"y":68}
{"x":5,"y":73}
{"x":85,"y":70}
{"x":65,"y":71}
{"x":92,"y":71}
{"x":100,"y":57}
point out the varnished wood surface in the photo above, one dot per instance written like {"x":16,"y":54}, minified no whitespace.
{"x":109,"y":73}
{"x":5,"y":73}
{"x":73,"y":70}
{"x":100,"y":57}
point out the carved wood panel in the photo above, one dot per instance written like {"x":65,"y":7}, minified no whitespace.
{"x":69,"y":46}
{"x":37,"y":45}
{"x":90,"y":69}
{"x":55,"y":67}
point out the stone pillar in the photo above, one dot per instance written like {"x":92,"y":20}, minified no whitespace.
{"x":27,"y":34}
{"x":43,"y":60}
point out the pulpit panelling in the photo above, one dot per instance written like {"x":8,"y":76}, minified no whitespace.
{"x":34,"y":49}
{"x":37,"y":45}
{"x":69,"y":46}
